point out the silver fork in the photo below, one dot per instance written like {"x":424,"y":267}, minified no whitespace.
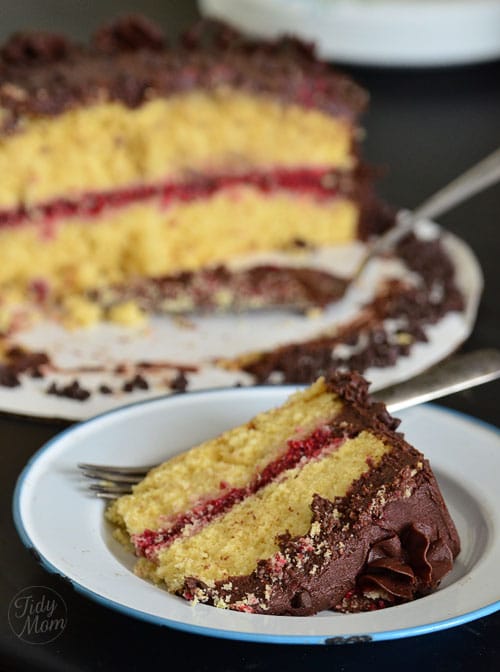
{"x":457,"y":373}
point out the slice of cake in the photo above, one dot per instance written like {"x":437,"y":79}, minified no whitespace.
{"x":319,"y":504}
{"x":129,"y":160}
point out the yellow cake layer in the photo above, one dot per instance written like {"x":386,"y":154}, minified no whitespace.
{"x":107,"y":146}
{"x":234,"y":457}
{"x":233,"y":544}
{"x":146,"y":240}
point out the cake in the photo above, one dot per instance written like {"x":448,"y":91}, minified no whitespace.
{"x":318,"y":504}
{"x":142,"y":176}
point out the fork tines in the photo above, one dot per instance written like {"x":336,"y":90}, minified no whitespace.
{"x":140,"y":470}
{"x":109,"y":476}
{"x":112,"y":481}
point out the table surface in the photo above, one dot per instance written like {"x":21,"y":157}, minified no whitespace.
{"x":426,"y":126}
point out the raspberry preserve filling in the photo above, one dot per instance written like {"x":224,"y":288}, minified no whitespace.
{"x":319,"y":183}
{"x":150,"y":542}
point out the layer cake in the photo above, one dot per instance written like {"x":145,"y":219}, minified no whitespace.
{"x":134,"y":170}
{"x":319,"y":504}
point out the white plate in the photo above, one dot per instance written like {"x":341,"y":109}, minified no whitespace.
{"x":375,"y":32}
{"x":55,"y":516}
{"x":202,"y":340}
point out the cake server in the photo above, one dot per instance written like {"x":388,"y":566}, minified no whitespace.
{"x":457,"y":373}
{"x":482,"y":175}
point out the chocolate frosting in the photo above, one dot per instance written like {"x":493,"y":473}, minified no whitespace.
{"x":17,"y":361}
{"x":373,"y":344}
{"x":129,"y":61}
{"x":262,"y":286}
{"x":389,"y":540}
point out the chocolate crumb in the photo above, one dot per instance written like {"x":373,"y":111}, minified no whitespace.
{"x":17,"y":361}
{"x":8,"y":377}
{"x":138,"y":382}
{"x":21,"y":360}
{"x":179,"y":383}
{"x":105,"y":389}
{"x":71,"y":391}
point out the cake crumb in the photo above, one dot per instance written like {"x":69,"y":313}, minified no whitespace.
{"x":315,"y":529}
{"x":128,"y":314}
{"x":80,"y":312}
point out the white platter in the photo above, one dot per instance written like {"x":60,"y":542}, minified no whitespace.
{"x":55,"y":515}
{"x":201,"y":340}
{"x":375,"y":32}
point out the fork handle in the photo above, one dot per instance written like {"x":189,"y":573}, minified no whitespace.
{"x":460,"y":372}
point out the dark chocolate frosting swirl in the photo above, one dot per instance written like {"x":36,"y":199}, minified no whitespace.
{"x":406,"y":565}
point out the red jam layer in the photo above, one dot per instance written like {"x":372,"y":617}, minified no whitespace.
{"x":318,"y":183}
{"x":150,"y":542}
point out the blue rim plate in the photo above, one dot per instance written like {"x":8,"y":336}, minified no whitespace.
{"x":56,"y":517}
